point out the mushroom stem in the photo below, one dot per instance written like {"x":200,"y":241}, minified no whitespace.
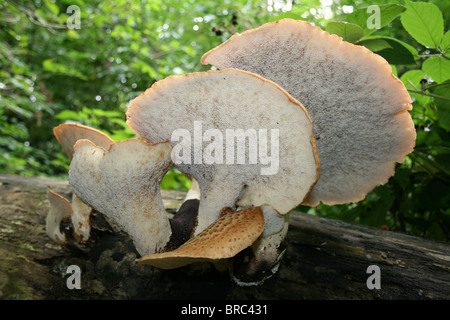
{"x":123,"y":183}
{"x":67,"y":135}
{"x":261,"y":260}
{"x":218,"y":195}
{"x":81,"y":219}
{"x":60,"y":208}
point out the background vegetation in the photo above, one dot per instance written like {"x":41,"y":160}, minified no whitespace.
{"x":50,"y":74}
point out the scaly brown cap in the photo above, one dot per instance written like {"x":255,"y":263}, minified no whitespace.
{"x":225,"y":238}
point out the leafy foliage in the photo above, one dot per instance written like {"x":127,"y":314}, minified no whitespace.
{"x":50,"y":74}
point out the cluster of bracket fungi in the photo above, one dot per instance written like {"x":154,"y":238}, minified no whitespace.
{"x":328,"y":99}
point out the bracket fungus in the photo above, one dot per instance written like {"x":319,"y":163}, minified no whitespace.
{"x":217,"y":107}
{"x":220,"y":108}
{"x":67,"y":135}
{"x":358,"y":107}
{"x":223,"y":239}
{"x":123,"y":183}
{"x":286,"y":94}
{"x":60,"y":208}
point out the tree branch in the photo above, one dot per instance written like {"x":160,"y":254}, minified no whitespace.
{"x":35,"y":18}
{"x":429,"y":94}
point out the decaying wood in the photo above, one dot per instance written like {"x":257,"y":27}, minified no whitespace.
{"x":325,"y":259}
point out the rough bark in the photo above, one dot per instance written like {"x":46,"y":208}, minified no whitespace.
{"x":325,"y":259}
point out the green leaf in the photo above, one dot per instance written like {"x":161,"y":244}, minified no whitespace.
{"x":285,"y":15}
{"x":398,"y":53}
{"x":52,"y":7}
{"x":437,"y":68}
{"x":119,"y":135}
{"x":72,"y":34}
{"x":175,"y":180}
{"x":411,"y":79}
{"x":367,"y":17}
{"x":443,"y":106}
{"x":443,"y":160}
{"x":348,"y":31}
{"x":375,"y":44}
{"x":106,"y":113}
{"x":68,"y":115}
{"x":378,"y":204}
{"x":11,"y":104}
{"x":445,"y":43}
{"x":432,"y":194}
{"x":403,"y":177}
{"x":52,"y":66}
{"x":394,"y":70}
{"x":424,"y":22}
{"x":428,"y":139}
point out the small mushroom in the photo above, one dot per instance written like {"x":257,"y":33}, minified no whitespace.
{"x":358,"y":107}
{"x":67,"y":135}
{"x":223,"y":239}
{"x":81,"y":220}
{"x":210,"y":105}
{"x":60,"y":208}
{"x":123,"y":183}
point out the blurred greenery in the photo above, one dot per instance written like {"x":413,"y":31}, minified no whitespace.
{"x":50,"y":74}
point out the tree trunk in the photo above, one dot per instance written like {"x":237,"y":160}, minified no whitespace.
{"x":325,"y":259}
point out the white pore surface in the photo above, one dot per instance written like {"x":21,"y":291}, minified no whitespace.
{"x":232,"y":99}
{"x":123,"y":183}
{"x":357,"y":105}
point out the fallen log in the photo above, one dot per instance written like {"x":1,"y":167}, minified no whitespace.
{"x":325,"y":259}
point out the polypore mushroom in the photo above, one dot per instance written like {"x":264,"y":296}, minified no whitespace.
{"x":80,"y":218}
{"x":67,"y":135}
{"x":358,"y":107}
{"x":80,"y":214}
{"x":223,"y":239}
{"x":60,"y":208}
{"x":123,"y":183}
{"x":216,"y":107}
{"x":224,"y":105}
